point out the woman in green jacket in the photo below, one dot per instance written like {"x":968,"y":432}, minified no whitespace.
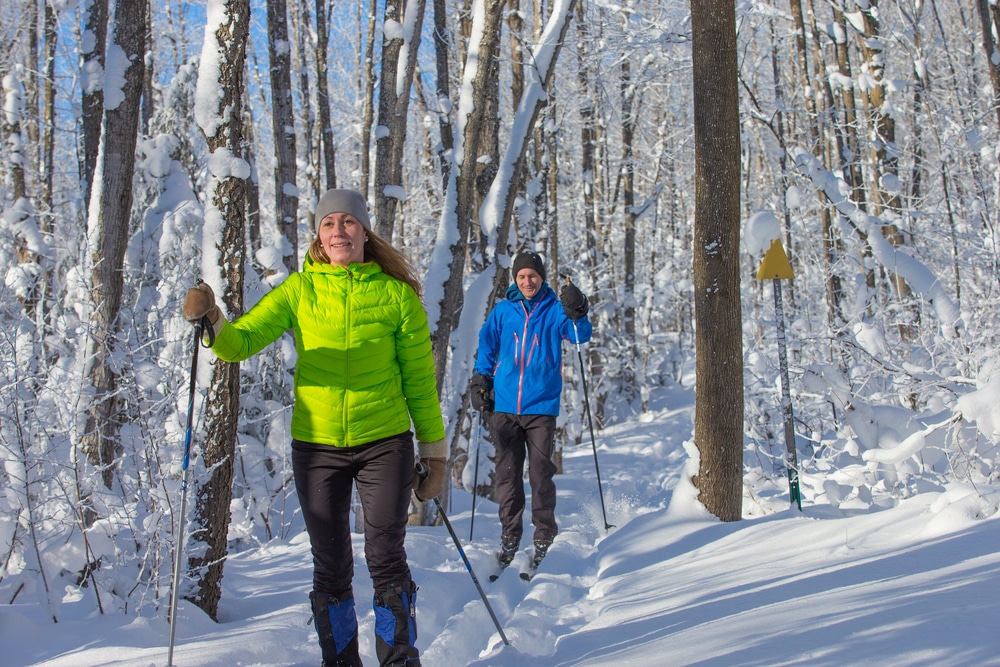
{"x":364,"y":372}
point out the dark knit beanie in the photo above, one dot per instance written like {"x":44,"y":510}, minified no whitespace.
{"x":528,"y":260}
{"x":342,"y":201}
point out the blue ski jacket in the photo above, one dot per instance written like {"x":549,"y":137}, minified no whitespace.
{"x":520,"y":346}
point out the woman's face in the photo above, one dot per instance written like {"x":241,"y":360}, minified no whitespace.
{"x":343,"y":238}
{"x":529,"y":282}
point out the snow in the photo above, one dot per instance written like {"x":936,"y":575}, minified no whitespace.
{"x":392,"y":30}
{"x":915,"y":584}
{"x":208,"y":93}
{"x":760,"y":230}
{"x":980,"y":407}
{"x":395,"y":192}
{"x":116,"y":63}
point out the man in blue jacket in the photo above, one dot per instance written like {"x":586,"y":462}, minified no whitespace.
{"x":519,"y":379}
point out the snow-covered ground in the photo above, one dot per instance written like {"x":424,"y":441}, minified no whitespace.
{"x":917,"y":584}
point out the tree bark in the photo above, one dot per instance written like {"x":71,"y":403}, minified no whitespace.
{"x":628,"y":211}
{"x":885,"y":163}
{"x":311,"y":151}
{"x":990,"y":50}
{"x":465,"y":190}
{"x":286,"y":193}
{"x":442,"y":45}
{"x":323,"y":96}
{"x":108,"y":231}
{"x":719,"y":367}
{"x":393,"y":106}
{"x":227,"y":197}
{"x":48,"y":119}
{"x":368,"y":111}
{"x":95,"y":23}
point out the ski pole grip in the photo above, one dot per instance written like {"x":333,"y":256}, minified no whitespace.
{"x":421,"y":470}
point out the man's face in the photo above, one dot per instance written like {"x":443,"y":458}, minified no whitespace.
{"x":529,"y":282}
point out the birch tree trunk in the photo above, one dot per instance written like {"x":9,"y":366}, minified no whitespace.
{"x":286,"y":194}
{"x":719,"y":401}
{"x":220,"y":81}
{"x":108,"y":227}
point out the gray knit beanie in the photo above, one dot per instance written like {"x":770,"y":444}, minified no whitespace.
{"x":528,"y":260}
{"x":342,"y":201}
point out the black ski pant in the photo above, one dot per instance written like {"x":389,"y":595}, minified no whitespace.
{"x":324,"y":480}
{"x":520,"y":437}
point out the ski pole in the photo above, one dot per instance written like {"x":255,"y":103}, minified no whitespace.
{"x":179,"y":545}
{"x":590,"y":420}
{"x":422,"y":472}
{"x":475,"y":478}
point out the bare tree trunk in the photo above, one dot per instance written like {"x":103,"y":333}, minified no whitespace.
{"x":589,"y":148}
{"x":515,"y":21}
{"x":886,"y":164}
{"x":323,"y":96}
{"x":148,"y":79}
{"x":95,"y":23}
{"x":369,"y":96}
{"x":851,"y":149}
{"x":465,"y":189}
{"x":227,"y":196}
{"x":830,"y":148}
{"x":311,"y":150}
{"x":442,"y":45}
{"x":628,"y":211}
{"x":48,"y":129}
{"x":108,"y":231}
{"x":719,"y":368}
{"x":990,"y":50}
{"x":286,"y":194}
{"x":29,"y":121}
{"x":253,"y":186}
{"x":393,"y":106}
{"x":14,"y":140}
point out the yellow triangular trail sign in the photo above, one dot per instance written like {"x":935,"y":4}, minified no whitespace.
{"x":775,"y":265}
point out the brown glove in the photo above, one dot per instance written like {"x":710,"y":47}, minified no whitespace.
{"x":432,"y":483}
{"x":199,"y":302}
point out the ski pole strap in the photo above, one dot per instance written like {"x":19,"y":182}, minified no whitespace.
{"x":209,"y":330}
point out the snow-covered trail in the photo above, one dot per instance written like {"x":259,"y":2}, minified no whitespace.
{"x":916,"y":584}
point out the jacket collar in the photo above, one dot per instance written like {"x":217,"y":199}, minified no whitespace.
{"x":362,"y":270}
{"x":514,"y":294}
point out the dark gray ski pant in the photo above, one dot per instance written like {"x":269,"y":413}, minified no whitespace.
{"x":520,"y":437}
{"x":324,"y":480}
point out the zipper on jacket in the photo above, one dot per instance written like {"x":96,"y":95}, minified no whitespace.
{"x":522,"y":362}
{"x":347,"y":346}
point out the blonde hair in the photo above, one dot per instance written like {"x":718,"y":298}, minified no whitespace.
{"x":377,"y":250}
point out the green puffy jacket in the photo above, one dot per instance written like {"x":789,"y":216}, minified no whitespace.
{"x":364,"y":353}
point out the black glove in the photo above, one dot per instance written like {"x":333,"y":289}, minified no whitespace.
{"x":574,"y":303}
{"x":481,"y":390}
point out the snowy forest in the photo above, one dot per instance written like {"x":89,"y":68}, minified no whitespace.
{"x":147,"y":145}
